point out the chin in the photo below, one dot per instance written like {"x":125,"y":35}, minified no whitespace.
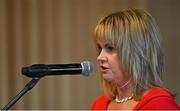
{"x":108,"y":79}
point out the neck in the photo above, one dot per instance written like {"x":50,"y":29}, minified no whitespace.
{"x":126,"y":90}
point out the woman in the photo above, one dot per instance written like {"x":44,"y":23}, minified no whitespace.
{"x":131,"y":63}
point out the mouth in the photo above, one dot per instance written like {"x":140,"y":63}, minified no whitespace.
{"x":103,"y":69}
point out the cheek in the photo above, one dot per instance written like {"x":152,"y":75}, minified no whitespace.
{"x":115,"y":63}
{"x":117,"y":68}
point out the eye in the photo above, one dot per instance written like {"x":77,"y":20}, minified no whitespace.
{"x":110,"y":48}
{"x":99,"y":48}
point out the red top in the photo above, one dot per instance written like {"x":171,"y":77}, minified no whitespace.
{"x":156,"y":99}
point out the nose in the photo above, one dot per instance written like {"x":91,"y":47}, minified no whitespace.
{"x":102,"y":57}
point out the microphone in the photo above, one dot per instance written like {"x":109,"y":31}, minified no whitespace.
{"x":85,"y":68}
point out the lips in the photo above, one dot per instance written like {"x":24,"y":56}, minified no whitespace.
{"x":103,"y":69}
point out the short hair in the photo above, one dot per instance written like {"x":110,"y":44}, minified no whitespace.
{"x":136,"y":36}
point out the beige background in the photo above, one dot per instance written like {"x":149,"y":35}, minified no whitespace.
{"x":60,"y":31}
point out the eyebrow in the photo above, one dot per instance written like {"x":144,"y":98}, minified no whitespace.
{"x":105,"y":44}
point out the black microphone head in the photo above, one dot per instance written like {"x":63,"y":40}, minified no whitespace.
{"x":87,"y":68}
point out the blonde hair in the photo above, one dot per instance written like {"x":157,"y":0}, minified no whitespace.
{"x":135,"y":34}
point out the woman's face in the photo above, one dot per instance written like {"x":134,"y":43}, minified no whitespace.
{"x":110,"y":63}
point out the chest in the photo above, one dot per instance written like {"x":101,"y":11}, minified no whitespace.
{"x":129,"y":105}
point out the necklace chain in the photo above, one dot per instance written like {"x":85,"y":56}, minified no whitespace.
{"x":123,"y":100}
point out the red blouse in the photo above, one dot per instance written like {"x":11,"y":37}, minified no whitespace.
{"x":156,"y":99}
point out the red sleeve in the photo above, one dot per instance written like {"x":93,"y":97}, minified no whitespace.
{"x":101,"y":103}
{"x":161,"y":103}
{"x":157,"y":99}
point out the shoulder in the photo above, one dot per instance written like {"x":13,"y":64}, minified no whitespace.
{"x":159,"y":99}
{"x":101,"y":103}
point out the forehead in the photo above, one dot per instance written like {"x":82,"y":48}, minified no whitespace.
{"x":103,"y":42}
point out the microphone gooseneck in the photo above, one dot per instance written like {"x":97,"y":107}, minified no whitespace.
{"x":37,"y":71}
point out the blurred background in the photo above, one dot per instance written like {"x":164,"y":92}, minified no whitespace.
{"x":59,"y":32}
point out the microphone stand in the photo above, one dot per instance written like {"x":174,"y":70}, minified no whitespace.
{"x":28,"y":87}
